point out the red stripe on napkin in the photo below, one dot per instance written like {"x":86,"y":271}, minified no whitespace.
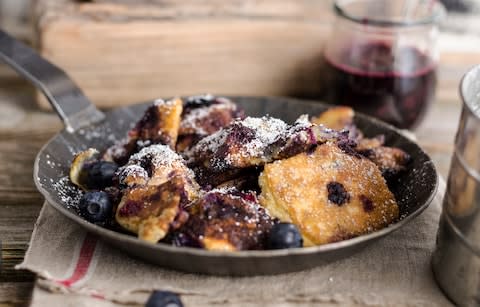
{"x":84,"y":259}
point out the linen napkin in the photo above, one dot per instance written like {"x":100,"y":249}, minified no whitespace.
{"x":75,"y":268}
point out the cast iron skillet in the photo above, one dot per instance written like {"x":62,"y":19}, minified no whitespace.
{"x":85,"y":127}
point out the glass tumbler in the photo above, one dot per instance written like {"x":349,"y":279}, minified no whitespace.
{"x":382,"y":56}
{"x":456,"y":260}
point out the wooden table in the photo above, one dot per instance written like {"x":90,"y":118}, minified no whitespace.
{"x":24,"y":129}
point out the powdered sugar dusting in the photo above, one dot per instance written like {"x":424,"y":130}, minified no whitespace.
{"x":192,"y":120}
{"x":267,"y":128}
{"x":133,"y":173}
{"x":252,"y":141}
{"x":69,"y":194}
{"x":267,"y":131}
{"x":226,"y":190}
{"x":148,"y":161}
{"x":116,"y":150}
{"x":206,"y":97}
{"x":210,"y":143}
{"x":302,"y":120}
{"x":257,"y":134}
{"x":161,"y":102}
{"x":159,"y":155}
{"x":104,"y":132}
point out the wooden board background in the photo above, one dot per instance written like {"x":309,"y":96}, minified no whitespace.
{"x":24,"y":128}
{"x":124,"y":51}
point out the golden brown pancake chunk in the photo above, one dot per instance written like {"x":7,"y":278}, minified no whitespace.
{"x":159,"y":125}
{"x":149,"y":211}
{"x":390,"y":160}
{"x":203,"y":115}
{"x":241,"y":145}
{"x":78,"y":164}
{"x":370,"y":143}
{"x":336,"y":118}
{"x":329,"y":194}
{"x":153,"y":165}
{"x":157,"y":185}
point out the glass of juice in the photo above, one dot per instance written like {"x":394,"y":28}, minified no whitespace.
{"x":382,"y":56}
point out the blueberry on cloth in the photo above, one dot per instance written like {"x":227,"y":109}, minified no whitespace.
{"x":163,"y":299}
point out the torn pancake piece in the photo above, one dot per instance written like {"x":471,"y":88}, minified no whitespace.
{"x":225,"y":220}
{"x":329,"y":194}
{"x":149,"y":211}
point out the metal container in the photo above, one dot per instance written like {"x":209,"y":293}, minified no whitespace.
{"x":456,"y":260}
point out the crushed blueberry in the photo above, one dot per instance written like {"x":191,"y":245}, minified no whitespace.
{"x":199,"y":101}
{"x":163,"y":299}
{"x":311,"y":149}
{"x":337,"y":193}
{"x":241,"y":134}
{"x":367,"y":203}
{"x":284,"y":235}
{"x":367,"y":153}
{"x":348,"y":146}
{"x":130,"y":208}
{"x":96,"y":207}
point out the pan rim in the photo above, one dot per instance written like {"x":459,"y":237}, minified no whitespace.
{"x":161,"y":247}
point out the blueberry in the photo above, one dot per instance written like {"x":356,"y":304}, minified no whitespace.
{"x":99,"y":174}
{"x":96,"y":207}
{"x":163,"y":299}
{"x":284,"y":235}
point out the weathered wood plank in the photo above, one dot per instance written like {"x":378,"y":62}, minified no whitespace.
{"x":229,"y":57}
{"x":15,"y":293}
{"x":23,"y":130}
{"x":254,"y":47}
{"x":20,"y":118}
{"x":11,"y":257}
{"x":17,"y":223}
{"x":128,"y":10}
{"x":16,"y":170}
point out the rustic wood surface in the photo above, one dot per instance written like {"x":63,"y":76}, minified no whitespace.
{"x":24,"y":128}
{"x":262,"y":47}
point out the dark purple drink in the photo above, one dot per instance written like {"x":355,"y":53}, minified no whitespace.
{"x":395,"y":86}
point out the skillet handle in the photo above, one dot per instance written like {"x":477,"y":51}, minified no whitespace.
{"x":66,"y":98}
